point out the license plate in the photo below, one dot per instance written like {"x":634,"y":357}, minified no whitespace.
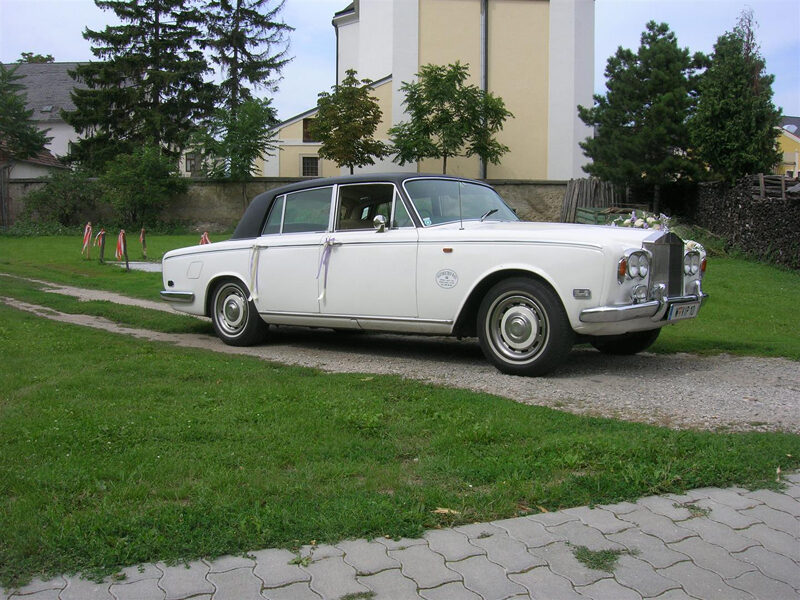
{"x":683,"y":311}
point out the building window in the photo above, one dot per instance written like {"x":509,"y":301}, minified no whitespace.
{"x":191,"y":162}
{"x":307,"y":137}
{"x":310,"y":166}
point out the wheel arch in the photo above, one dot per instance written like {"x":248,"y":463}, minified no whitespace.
{"x":465,"y":325}
{"x":214,"y":282}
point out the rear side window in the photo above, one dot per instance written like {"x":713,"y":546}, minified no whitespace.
{"x":307,"y":211}
{"x":275,"y":217}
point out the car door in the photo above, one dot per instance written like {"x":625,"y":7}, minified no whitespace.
{"x":370,"y":272}
{"x":288,"y":252}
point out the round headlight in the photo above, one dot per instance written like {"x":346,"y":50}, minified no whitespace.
{"x":644,"y":266}
{"x":633,"y":265}
{"x":687,"y":264}
{"x":695,"y":264}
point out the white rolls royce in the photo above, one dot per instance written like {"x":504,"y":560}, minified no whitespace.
{"x":433,"y":254}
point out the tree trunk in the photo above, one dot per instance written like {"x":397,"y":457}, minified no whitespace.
{"x":657,"y":198}
{"x":444,"y":165}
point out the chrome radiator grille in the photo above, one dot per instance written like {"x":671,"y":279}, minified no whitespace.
{"x":667,"y":263}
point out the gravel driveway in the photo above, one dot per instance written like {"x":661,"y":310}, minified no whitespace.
{"x":678,"y":390}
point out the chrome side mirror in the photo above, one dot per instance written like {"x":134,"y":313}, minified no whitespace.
{"x":379,"y":222}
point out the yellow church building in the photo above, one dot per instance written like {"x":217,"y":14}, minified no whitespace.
{"x":538,"y":55}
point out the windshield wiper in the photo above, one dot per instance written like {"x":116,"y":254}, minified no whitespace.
{"x":488,"y":213}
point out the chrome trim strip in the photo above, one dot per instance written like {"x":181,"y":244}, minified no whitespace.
{"x":653,"y":309}
{"x":612,"y":314}
{"x":280,"y":313}
{"x":455,"y":243}
{"x":170,"y":296}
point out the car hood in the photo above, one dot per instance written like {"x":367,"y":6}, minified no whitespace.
{"x":526,"y":231}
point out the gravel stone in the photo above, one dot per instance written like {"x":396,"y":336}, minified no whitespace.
{"x":739,"y":393}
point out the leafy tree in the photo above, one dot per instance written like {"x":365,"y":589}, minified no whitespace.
{"x":346,"y":122}
{"x":640,"y":123}
{"x":140,"y":184}
{"x":734,"y":128}
{"x":147,"y":86}
{"x":65,"y":199}
{"x":448,"y":118}
{"x":18,"y":134}
{"x":247,"y":42}
{"x":30,"y":57}
{"x":234,"y":139}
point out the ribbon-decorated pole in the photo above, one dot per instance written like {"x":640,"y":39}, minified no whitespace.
{"x":87,"y":239}
{"x":143,"y":242}
{"x":100,"y":241}
{"x":204,"y":238}
{"x":122,"y":249}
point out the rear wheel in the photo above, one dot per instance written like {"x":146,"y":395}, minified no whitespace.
{"x":522,"y":327}
{"x":234,"y":317}
{"x":628,"y":343}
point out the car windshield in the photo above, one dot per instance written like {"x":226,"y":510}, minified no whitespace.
{"x":445,"y":201}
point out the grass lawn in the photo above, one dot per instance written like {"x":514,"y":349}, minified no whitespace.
{"x":132,"y":316}
{"x":117,"y":451}
{"x":751,"y":310}
{"x":58,"y":259}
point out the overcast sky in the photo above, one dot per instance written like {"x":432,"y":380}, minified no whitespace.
{"x":55,"y":27}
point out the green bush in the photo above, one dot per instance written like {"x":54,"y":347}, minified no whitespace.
{"x":66,"y":199}
{"x":139,"y":185}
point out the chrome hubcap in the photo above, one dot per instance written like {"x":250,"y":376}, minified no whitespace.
{"x":517,"y":327}
{"x":231,"y":310}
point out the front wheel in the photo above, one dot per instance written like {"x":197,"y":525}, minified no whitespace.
{"x":625,"y":344}
{"x":234,"y":317}
{"x":522,"y":327}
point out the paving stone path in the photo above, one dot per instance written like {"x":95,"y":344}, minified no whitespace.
{"x":707,"y":544}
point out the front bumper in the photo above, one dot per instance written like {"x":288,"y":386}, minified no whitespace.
{"x":180,"y":297}
{"x":653,"y":309}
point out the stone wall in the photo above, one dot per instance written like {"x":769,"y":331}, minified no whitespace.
{"x":217,"y":205}
{"x":765,"y":227}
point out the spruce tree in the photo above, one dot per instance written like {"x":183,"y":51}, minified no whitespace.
{"x":734,"y":129}
{"x":147,"y":85}
{"x":640,"y":131}
{"x":248,"y":43}
{"x":19,"y":135}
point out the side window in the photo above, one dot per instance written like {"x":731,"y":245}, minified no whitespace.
{"x":273,"y":224}
{"x":401,"y":217}
{"x":359,"y":204}
{"x":307,"y":211}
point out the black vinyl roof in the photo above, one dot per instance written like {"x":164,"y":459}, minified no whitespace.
{"x":253,"y":220}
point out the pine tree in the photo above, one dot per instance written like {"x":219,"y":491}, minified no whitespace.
{"x":448,"y":118}
{"x":734,"y":129}
{"x":18,"y":134}
{"x":346,"y":122}
{"x":147,"y":86}
{"x":249,"y":44}
{"x":640,"y":127}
